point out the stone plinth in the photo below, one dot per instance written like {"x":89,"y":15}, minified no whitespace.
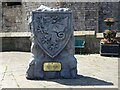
{"x":53,"y":45}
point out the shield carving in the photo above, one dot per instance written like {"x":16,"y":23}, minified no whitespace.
{"x":52,"y":31}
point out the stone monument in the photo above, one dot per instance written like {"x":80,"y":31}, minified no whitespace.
{"x":52,"y":45}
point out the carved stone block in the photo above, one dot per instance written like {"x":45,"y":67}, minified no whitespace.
{"x":52,"y":46}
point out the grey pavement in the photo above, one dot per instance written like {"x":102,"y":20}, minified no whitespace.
{"x":94,"y":71}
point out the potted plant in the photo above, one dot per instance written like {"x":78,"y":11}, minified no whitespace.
{"x":109,"y":36}
{"x":109,"y":45}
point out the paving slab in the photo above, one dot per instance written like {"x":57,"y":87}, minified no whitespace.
{"x":94,"y":71}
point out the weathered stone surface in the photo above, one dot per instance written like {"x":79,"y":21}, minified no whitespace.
{"x":107,"y":10}
{"x":15,"y":44}
{"x":0,"y":15}
{"x":83,"y":13}
{"x":12,"y":18}
{"x":51,"y":28}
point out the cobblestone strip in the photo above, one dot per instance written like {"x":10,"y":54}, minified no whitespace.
{"x":15,"y":80}
{"x":4,"y":73}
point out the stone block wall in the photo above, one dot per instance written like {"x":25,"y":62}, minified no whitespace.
{"x":88,"y":16}
{"x":91,"y":16}
{"x":16,"y":44}
{"x":11,"y":17}
{"x":109,"y":9}
{"x":85,"y":14}
{"x":92,"y":45}
{"x":0,"y":24}
{"x":0,"y":16}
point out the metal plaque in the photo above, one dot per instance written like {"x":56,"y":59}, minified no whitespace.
{"x":52,"y":66}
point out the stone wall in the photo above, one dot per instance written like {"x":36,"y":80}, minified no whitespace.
{"x":85,"y":14}
{"x":0,"y":24}
{"x":88,"y":16}
{"x":16,"y":44}
{"x":11,"y":18}
{"x":91,"y":16}
{"x":0,"y":16}
{"x":109,"y":9}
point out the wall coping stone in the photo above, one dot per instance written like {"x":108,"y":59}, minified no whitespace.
{"x":76,"y":33}
{"x":28,"y":34}
{"x":15,"y":34}
{"x":83,"y":33}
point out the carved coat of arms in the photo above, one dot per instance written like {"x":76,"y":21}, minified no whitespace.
{"x":52,"y":31}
